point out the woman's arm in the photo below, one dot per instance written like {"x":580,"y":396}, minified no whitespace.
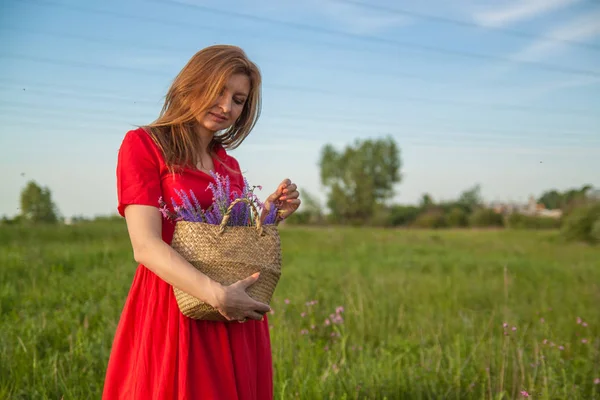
{"x":144,"y":227}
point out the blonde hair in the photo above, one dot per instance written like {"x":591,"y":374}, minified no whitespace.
{"x":193,"y":91}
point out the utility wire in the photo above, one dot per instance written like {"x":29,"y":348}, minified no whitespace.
{"x":290,"y":120}
{"x":326,"y":31}
{"x":291,"y":88}
{"x":154,"y":47}
{"x":115,"y":131}
{"x":295,"y":118}
{"x":467,"y":24}
{"x":313,"y":65}
{"x":375,"y":39}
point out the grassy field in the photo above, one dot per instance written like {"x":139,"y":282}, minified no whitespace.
{"x":422,"y":316}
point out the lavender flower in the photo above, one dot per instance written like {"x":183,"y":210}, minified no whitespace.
{"x":189,"y":208}
{"x":181,"y":212}
{"x":220,"y":193}
{"x":271,"y":216}
{"x":227,"y":191}
{"x":197,"y":205}
{"x":210,"y":219}
{"x":164,"y":210}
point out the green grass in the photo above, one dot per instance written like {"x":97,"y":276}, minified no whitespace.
{"x":423,"y":313}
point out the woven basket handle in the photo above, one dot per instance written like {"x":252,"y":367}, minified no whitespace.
{"x":230,"y":208}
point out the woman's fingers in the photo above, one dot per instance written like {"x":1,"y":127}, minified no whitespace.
{"x":290,"y":188}
{"x":291,"y":195}
{"x":248,"y":281}
{"x":254,"y":315}
{"x":260,"y":307}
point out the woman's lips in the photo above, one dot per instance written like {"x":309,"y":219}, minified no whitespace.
{"x":217,"y":117}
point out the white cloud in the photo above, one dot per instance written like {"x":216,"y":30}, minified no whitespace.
{"x":520,"y":11}
{"x":351,"y":18}
{"x":357,"y":19}
{"x":579,"y":29}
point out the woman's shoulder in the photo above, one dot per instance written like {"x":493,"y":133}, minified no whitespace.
{"x":137,"y":144}
{"x":139,"y":139}
{"x":138,"y":136}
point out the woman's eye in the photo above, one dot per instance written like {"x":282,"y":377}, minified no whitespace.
{"x":239,"y":101}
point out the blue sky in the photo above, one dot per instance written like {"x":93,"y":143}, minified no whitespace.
{"x":473,"y":92}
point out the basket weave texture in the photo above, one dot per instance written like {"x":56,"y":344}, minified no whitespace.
{"x":227,"y":254}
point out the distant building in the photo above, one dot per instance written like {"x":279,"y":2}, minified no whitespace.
{"x":532,"y":208}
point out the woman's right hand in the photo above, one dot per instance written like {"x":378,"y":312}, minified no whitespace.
{"x":235,"y":304}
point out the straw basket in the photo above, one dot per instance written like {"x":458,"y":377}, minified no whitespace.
{"x":228,"y":254}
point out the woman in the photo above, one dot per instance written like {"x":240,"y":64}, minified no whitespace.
{"x":158,"y":353}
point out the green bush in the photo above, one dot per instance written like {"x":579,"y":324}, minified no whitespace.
{"x":403,"y":215}
{"x":306,"y":217}
{"x":431,"y":219}
{"x":582,"y":224}
{"x":381,"y":217}
{"x":521,"y":221}
{"x":596,"y":231}
{"x":457,"y":217}
{"x":298,"y":218}
{"x":485,"y":218}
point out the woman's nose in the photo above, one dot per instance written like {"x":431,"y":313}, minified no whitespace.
{"x":225,"y":103}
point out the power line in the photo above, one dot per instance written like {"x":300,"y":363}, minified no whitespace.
{"x":489,"y":141}
{"x":417,"y":99}
{"x":290,"y":88}
{"x":303,"y":27}
{"x":33,"y":111}
{"x":121,"y":43}
{"x":82,"y":64}
{"x":358,"y":121}
{"x":468,"y":24}
{"x":395,"y":43}
{"x":183,"y":24}
{"x":80,"y":93}
{"x":314,"y":66}
{"x":85,"y":93}
{"x":298,"y":120}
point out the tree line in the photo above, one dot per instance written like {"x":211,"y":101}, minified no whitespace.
{"x":360,"y":182}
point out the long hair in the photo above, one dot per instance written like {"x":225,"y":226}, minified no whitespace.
{"x":193,"y":91}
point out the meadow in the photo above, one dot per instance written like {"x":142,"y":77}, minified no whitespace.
{"x":360,"y":313}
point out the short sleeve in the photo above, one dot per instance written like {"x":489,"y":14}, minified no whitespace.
{"x":138,"y":172}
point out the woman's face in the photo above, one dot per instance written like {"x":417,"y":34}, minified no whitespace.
{"x":228,"y":106}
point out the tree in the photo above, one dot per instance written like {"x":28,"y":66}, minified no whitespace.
{"x":553,"y":199}
{"x":360,"y":178}
{"x":37,"y":205}
{"x":582,"y":224}
{"x":426,"y":201}
{"x":470,"y":199}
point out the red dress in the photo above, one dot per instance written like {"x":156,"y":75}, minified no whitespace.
{"x":158,"y":353}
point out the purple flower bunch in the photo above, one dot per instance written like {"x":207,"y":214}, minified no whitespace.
{"x":189,"y":208}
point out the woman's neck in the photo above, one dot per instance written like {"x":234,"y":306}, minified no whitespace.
{"x":204,"y":138}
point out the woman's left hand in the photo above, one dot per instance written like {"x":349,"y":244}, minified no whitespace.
{"x":286,"y":198}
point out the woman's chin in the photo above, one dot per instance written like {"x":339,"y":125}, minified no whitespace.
{"x":214,"y":126}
